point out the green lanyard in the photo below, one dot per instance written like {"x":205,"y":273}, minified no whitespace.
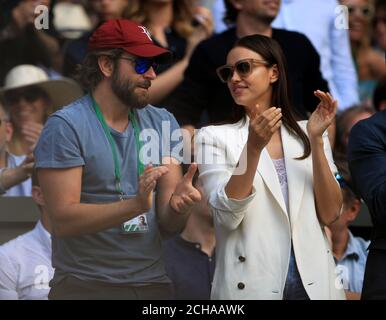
{"x":117,"y":168}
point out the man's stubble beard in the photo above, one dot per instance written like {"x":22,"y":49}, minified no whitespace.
{"x":125,"y":91}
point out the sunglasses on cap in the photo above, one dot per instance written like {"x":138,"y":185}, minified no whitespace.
{"x":342,"y":183}
{"x":366,"y":11}
{"x":243,"y":68}
{"x":142,"y":65}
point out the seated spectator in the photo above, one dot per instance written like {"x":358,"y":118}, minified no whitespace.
{"x":25,"y":262}
{"x":30,"y":96}
{"x":344,"y":122}
{"x":380,"y":24}
{"x":178,"y":25}
{"x":332,"y":44}
{"x":367,"y":163}
{"x":349,"y":252}
{"x":370,"y":63}
{"x":190,"y":257}
{"x":379,"y":98}
{"x":10,"y":174}
{"x":22,"y":43}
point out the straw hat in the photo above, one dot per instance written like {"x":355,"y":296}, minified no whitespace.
{"x":61,"y":91}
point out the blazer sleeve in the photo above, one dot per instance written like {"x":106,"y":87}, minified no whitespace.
{"x":216,"y":166}
{"x":367,"y":163}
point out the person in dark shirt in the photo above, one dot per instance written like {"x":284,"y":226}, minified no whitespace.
{"x":367,"y":163}
{"x":190,"y":256}
{"x":202,"y":90}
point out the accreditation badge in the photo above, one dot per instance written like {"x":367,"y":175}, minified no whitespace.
{"x":136,"y":225}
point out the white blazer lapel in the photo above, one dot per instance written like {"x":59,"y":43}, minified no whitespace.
{"x":265,"y":168}
{"x":267,"y":171}
{"x":296,"y":173}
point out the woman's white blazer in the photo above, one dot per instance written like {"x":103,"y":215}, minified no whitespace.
{"x":254,"y":234}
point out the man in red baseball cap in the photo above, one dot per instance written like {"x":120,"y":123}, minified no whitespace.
{"x":129,"y":36}
{"x":96,"y":165}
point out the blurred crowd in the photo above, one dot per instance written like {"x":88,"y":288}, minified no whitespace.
{"x":39,"y":75}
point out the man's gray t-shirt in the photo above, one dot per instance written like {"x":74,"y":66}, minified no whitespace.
{"x":72,"y":137}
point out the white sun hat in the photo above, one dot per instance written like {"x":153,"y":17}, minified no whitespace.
{"x":71,"y":20}
{"x":61,"y":91}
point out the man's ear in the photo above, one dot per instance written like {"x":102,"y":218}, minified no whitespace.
{"x":106,"y":66}
{"x":353,"y":211}
{"x":37,"y":195}
{"x":237,"y":4}
{"x":8,"y":131}
{"x":274,"y":74}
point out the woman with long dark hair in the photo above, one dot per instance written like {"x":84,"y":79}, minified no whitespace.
{"x":270,"y":184}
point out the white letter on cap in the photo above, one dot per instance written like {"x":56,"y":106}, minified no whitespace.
{"x":145,"y":31}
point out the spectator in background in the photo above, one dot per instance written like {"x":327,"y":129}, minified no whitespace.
{"x":190,"y":257}
{"x":25,"y":262}
{"x":344,"y":123}
{"x":178,"y":25}
{"x":367,"y":163}
{"x":30,"y":97}
{"x":76,"y":50}
{"x":370,"y":64}
{"x":349,"y":252}
{"x":379,"y":98}
{"x":23,"y":43}
{"x":331,"y":41}
{"x":380,"y":24}
{"x":10,"y":174}
{"x":202,"y":91}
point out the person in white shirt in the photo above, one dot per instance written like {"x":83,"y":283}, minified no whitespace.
{"x":25,"y":262}
{"x":323,"y":23}
{"x":30,"y":97}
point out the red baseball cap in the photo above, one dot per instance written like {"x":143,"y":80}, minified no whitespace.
{"x":129,"y":36}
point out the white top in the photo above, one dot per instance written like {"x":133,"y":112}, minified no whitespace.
{"x":23,"y":189}
{"x":322,"y":22}
{"x":282,"y":175}
{"x":25,"y":266}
